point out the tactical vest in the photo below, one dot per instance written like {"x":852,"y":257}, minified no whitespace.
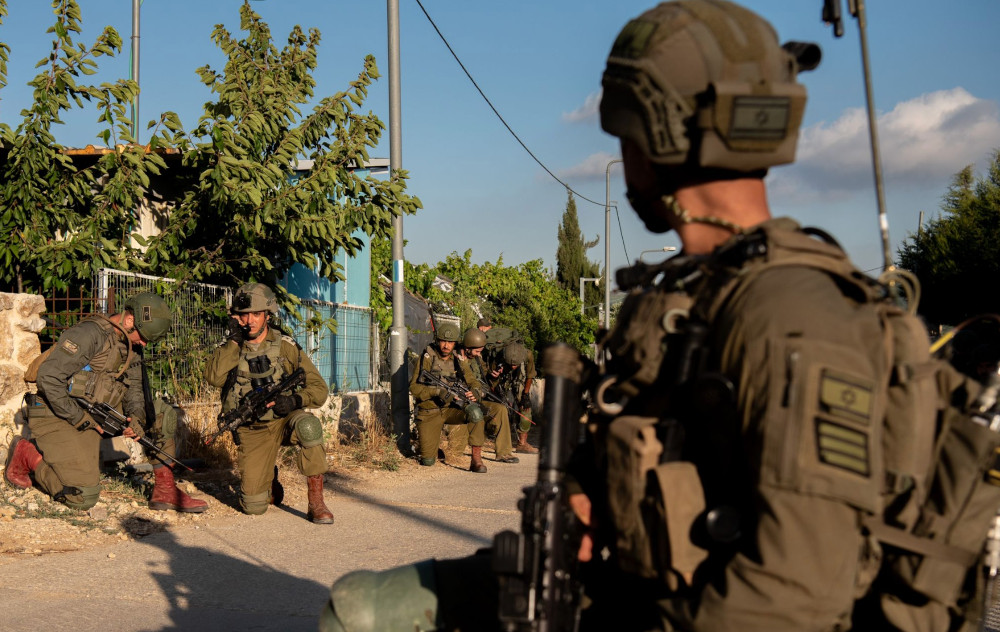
{"x":926,"y":502}
{"x":242,"y":375}
{"x":432,"y":362}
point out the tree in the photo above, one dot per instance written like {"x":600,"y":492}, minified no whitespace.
{"x":525,"y":298}
{"x":957,"y":256}
{"x":60,"y":221}
{"x":571,"y":255}
{"x":243,"y":217}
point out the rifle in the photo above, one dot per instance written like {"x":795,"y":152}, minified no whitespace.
{"x":253,"y":405}
{"x":455,"y":388}
{"x":540,"y":590}
{"x":115,"y":423}
{"x":491,"y":396}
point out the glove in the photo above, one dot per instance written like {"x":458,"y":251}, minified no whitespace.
{"x":525,"y":401}
{"x":236,"y":333}
{"x":285,"y":404}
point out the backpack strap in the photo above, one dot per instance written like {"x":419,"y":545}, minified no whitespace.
{"x":926,"y":547}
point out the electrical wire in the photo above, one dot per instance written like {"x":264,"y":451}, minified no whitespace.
{"x":489,"y":103}
{"x":622,"y":233}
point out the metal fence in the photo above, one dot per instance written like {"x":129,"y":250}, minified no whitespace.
{"x":347,"y":360}
{"x":176,"y":366}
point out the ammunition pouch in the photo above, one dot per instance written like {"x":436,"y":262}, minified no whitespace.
{"x":654,"y":505}
{"x":97,"y":387}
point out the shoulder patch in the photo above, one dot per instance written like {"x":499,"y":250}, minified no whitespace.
{"x":290,"y":340}
{"x":69,"y":347}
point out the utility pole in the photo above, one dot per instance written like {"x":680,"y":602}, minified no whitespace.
{"x":400,"y":381}
{"x":135,"y":69}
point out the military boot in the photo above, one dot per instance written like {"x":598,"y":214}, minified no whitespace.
{"x":22,"y":459}
{"x":477,"y":465}
{"x":167,"y":496}
{"x":523,"y":445}
{"x":318,"y":512}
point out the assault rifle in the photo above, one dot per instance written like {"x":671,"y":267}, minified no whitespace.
{"x":540,"y":590}
{"x":488,"y":394}
{"x":454,"y":386}
{"x":253,"y":405}
{"x":114,"y":423}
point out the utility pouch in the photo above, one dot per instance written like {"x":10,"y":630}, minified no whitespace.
{"x":653,"y":505}
{"x":955,"y":516}
{"x":97,"y":387}
{"x":31,"y":373}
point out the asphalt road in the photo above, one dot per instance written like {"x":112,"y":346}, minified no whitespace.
{"x":269,"y":572}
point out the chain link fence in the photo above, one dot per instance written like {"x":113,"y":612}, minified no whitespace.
{"x":347,"y":360}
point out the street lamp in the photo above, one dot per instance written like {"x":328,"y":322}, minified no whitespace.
{"x":664,"y":249}
{"x":595,"y":280}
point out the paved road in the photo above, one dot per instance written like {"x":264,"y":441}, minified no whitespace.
{"x":269,"y":572}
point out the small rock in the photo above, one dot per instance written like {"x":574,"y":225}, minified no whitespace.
{"x":32,"y":507}
{"x":135,"y":505}
{"x":98,"y":512}
{"x":111,"y":556}
{"x":17,"y":501}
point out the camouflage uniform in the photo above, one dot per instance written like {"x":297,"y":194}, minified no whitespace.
{"x":474,"y":370}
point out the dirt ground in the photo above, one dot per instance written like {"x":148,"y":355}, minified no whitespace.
{"x":31,"y":524}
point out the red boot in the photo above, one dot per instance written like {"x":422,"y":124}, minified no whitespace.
{"x":22,"y":459}
{"x":318,"y":512}
{"x":523,"y":446}
{"x":167,"y":496}
{"x":476,"y":464}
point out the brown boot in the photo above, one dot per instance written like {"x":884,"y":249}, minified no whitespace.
{"x":318,"y":512}
{"x":167,"y":496}
{"x":477,"y":465}
{"x":22,"y":459}
{"x":523,"y":445}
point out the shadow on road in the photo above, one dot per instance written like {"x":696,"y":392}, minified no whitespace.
{"x":208,"y":590}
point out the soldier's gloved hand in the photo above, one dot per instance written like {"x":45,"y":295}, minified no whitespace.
{"x":525,"y":401}
{"x":285,"y":404}
{"x":236,"y":333}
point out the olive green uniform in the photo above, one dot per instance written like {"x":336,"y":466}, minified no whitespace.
{"x":435,"y":406}
{"x":473,"y":370}
{"x":259,"y":442}
{"x":70,"y":469}
{"x":513,"y":381}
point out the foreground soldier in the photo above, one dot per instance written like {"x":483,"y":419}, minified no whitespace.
{"x":474,"y":372}
{"x":256,"y":354}
{"x":772,"y":447}
{"x":96,"y":358}
{"x":436,"y":406}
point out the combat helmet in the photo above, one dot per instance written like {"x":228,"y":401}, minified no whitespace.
{"x":705,"y":83}
{"x":254,"y":297}
{"x":449,"y":332}
{"x":474,"y":338}
{"x":151,"y":314}
{"x":515,"y":353}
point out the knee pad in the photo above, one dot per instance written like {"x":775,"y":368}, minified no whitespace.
{"x":309,"y":430}
{"x":166,"y":418}
{"x":400,"y":598}
{"x":79,"y":498}
{"x":255,"y":504}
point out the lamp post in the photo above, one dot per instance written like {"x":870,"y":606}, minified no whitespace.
{"x":583,"y":280}
{"x":664,"y":249}
{"x":607,"y":246}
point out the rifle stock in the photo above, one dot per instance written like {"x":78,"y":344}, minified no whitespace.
{"x":537,"y":569}
{"x":115,"y":423}
{"x":253,"y":405}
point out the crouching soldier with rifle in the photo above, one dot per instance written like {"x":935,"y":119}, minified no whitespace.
{"x":94,"y":371}
{"x":437,"y":405}
{"x":257,"y":358}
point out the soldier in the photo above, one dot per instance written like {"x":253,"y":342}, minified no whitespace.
{"x":100,"y":359}
{"x":436,"y":406}
{"x":766,"y":448}
{"x":512,"y":371}
{"x":258,"y":353}
{"x":484,"y":324}
{"x":474,"y":373}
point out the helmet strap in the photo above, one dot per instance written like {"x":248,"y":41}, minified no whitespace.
{"x":684,"y":216}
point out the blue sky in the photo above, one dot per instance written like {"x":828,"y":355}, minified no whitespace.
{"x":934,"y":67}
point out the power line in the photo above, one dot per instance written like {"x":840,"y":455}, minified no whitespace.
{"x":622,"y":233}
{"x":489,"y":103}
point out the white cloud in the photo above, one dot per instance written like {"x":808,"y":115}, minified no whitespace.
{"x":922,"y":141}
{"x":593,"y":167}
{"x":586,"y":112}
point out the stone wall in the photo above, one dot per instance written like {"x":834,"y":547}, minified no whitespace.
{"x":20,"y":322}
